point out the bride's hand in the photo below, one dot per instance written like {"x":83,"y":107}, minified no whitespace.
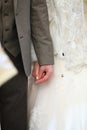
{"x":35,"y":72}
{"x":42,"y":73}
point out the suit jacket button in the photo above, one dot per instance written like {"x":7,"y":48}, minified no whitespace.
{"x":16,"y":14}
{"x":21,"y":37}
{"x":6,"y":1}
{"x":5,"y":42}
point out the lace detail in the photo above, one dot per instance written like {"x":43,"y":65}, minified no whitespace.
{"x":67,"y":27}
{"x":36,"y":119}
{"x":34,"y":113}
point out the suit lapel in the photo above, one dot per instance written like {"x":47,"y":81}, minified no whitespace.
{"x":15,"y":5}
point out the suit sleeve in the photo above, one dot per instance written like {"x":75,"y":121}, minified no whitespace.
{"x":40,"y":32}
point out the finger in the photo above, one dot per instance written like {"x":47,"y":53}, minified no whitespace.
{"x":44,"y":73}
{"x":35,"y":71}
{"x":44,"y":78}
{"x":41,"y":79}
{"x":37,"y":74}
{"x":41,"y":73}
{"x":33,"y":74}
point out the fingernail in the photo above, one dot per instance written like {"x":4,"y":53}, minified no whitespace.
{"x":37,"y":78}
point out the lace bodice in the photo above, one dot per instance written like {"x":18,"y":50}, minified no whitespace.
{"x":67,"y":27}
{"x":68,"y":31}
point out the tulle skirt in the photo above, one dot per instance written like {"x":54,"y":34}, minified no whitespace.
{"x":61,"y":103}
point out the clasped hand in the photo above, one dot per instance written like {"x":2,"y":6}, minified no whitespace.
{"x":42,"y":73}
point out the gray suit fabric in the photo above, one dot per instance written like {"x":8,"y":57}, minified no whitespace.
{"x":31,"y":19}
{"x":32,"y":22}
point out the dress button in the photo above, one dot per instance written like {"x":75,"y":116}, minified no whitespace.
{"x":62,"y":75}
{"x":63,"y":54}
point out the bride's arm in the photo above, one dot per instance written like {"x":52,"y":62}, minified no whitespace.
{"x":36,"y":66}
{"x":33,"y":54}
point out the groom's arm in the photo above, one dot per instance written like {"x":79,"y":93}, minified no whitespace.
{"x":40,"y":32}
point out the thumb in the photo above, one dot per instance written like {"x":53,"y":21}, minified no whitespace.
{"x":37,"y":74}
{"x":35,"y":70}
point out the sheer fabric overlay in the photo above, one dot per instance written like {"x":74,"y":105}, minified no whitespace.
{"x":61,"y":103}
{"x":68,"y":31}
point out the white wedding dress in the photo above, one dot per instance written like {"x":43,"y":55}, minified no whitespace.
{"x":61,"y":103}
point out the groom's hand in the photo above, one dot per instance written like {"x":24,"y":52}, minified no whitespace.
{"x":42,"y":73}
{"x":45,"y":72}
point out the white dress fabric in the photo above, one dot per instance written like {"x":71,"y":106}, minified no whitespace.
{"x":61,"y":103}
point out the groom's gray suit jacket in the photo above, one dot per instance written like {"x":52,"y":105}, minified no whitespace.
{"x":32,"y":22}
